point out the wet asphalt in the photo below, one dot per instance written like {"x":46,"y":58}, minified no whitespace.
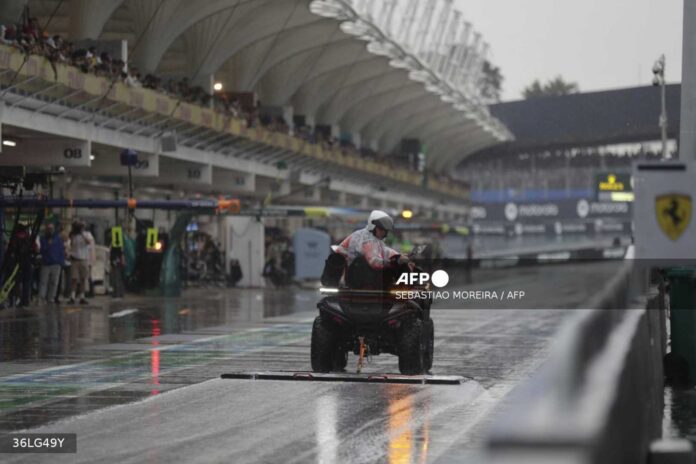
{"x":138,"y":381}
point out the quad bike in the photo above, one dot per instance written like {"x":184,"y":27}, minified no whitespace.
{"x":369,"y":322}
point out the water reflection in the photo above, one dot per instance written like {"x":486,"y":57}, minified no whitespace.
{"x":408,"y":425}
{"x":155,"y":356}
{"x":327,"y":437}
{"x":346,"y":431}
{"x":50,"y":331}
{"x":680,"y":414}
{"x":426,"y":440}
{"x":400,"y":433}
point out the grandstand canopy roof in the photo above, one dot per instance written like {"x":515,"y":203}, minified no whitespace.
{"x":324,"y":58}
{"x":587,"y":119}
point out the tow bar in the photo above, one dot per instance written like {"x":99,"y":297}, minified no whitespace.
{"x":344,"y":377}
{"x":361,"y":357}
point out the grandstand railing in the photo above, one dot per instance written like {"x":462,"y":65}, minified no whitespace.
{"x":35,"y":76}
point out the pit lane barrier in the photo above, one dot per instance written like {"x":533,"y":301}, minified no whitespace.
{"x":550,"y":255}
{"x":599,"y":397}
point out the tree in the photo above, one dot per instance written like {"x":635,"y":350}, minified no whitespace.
{"x":553,"y":88}
{"x":491,"y":82}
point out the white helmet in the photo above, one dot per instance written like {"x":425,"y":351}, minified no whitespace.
{"x":381,"y":219}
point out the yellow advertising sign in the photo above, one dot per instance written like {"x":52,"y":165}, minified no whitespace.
{"x":117,"y":237}
{"x":316,"y":212}
{"x":673,"y":214}
{"x":611,"y":184}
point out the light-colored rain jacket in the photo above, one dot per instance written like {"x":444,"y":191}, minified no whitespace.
{"x":363,"y":243}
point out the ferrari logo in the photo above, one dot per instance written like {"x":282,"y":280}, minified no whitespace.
{"x":673,"y":214}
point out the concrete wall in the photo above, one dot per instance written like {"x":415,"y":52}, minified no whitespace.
{"x":599,"y":398}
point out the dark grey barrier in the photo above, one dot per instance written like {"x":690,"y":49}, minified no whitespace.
{"x":599,"y":397}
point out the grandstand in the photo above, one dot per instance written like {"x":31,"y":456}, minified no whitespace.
{"x":264,"y":93}
{"x":562,"y":143}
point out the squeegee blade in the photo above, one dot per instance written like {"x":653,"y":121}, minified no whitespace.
{"x":347,"y":377}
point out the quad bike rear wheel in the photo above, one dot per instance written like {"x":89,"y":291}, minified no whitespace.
{"x":429,"y":344}
{"x":411,"y":347}
{"x":325,"y":354}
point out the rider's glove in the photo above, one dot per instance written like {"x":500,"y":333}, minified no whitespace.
{"x":406,"y":260}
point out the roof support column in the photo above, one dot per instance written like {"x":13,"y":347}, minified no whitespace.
{"x":310,"y":121}
{"x":201,"y":39}
{"x":288,"y":115}
{"x":87,"y":17}
{"x":356,"y":139}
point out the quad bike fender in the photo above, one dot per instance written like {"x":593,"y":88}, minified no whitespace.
{"x":332,"y":308}
{"x":404,"y":308}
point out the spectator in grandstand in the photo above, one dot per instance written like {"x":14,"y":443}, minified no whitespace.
{"x":50,"y":42}
{"x":104,"y":64}
{"x":305,"y":133}
{"x":152,"y":82}
{"x":32,"y":41}
{"x":237,"y":107}
{"x":78,"y":58}
{"x":183,"y":88}
{"x":91,"y":58}
{"x":133,"y":77}
{"x":275,"y":124}
{"x":64,"y":51}
{"x":27,"y":44}
{"x":8,"y":35}
{"x":252,"y":119}
{"x":118,"y":70}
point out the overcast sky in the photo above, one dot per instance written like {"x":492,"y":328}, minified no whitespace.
{"x":600,"y":44}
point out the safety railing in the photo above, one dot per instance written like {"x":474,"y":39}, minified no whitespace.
{"x":60,"y":81}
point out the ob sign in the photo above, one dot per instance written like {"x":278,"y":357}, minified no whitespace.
{"x":48,"y":152}
{"x":439,"y":278}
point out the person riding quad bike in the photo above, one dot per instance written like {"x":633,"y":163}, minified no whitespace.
{"x":362,"y":313}
{"x":378,"y":260}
